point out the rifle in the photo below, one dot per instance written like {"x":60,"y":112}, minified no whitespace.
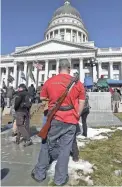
{"x":44,"y":131}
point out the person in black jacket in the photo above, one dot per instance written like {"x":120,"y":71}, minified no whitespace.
{"x":32,"y":92}
{"x":2,"y":101}
{"x":22,"y":108}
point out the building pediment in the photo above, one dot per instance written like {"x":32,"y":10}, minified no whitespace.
{"x":53,"y":46}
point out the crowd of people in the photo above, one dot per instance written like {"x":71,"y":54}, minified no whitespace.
{"x":60,"y":142}
{"x":20,"y":101}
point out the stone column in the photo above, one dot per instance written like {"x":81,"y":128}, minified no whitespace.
{"x":6,"y":78}
{"x":53,"y":34}
{"x":57,"y":66}
{"x":59,"y":33}
{"x":71,"y":35}
{"x":65,"y":34}
{"x":111,"y":70}
{"x":82,"y":37}
{"x":94,"y":73}
{"x":99,"y":70}
{"x":46,"y":70}
{"x":15,"y":75}
{"x":25,"y":71}
{"x":70,"y":61}
{"x":36,"y":76}
{"x":120,"y":71}
{"x":77,"y":37}
{"x":81,"y":71}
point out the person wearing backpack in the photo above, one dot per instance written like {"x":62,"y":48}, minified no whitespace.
{"x":22,"y":107}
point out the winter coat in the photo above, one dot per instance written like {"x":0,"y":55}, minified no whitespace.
{"x":10,"y":92}
{"x":22,"y":101}
{"x":31,"y":91}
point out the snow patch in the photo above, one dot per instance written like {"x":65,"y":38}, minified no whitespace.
{"x":99,"y":137}
{"x":36,"y":139}
{"x":81,"y":144}
{"x":119,"y":128}
{"x":76,"y":170}
{"x":82,"y":165}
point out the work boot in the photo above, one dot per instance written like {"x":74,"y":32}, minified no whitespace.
{"x":18,"y":140}
{"x":14,"y":134}
{"x":63,"y":184}
{"x":28,"y":143}
{"x":75,"y":159}
{"x":33,"y":176}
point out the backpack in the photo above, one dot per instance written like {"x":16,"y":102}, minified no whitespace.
{"x":26,"y":102}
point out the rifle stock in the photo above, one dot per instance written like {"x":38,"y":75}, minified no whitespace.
{"x":44,"y":131}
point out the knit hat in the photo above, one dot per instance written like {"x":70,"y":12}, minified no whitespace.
{"x":23,"y":86}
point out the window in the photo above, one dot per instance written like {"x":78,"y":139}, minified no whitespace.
{"x":75,"y":66}
{"x":53,"y":67}
{"x":116,"y":76}
{"x":42,"y":77}
{"x":62,"y":36}
{"x":73,"y":38}
{"x":105,"y":66}
{"x":80,"y":38}
{"x":83,"y":38}
{"x":43,"y":67}
{"x":4,"y":70}
{"x":116,"y":67}
{"x":51,"y":34}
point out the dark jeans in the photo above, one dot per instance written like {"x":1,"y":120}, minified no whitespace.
{"x":22,"y":122}
{"x":84,"y":118}
{"x":75,"y":151}
{"x":57,"y":146}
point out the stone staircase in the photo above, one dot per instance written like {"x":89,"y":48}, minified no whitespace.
{"x":36,"y":113}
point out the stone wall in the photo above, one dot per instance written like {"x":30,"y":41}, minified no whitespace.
{"x":101,"y":113}
{"x":100,"y":101}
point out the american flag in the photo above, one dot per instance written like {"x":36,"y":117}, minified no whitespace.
{"x":38,"y":66}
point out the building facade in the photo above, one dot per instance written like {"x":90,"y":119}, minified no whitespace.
{"x":65,"y":37}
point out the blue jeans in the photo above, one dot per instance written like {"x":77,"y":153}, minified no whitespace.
{"x":57,"y":146}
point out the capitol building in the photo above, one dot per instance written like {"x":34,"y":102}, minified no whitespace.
{"x":65,"y":37}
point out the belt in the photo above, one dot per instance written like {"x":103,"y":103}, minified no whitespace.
{"x":66,"y":108}
{"x":63,"y":108}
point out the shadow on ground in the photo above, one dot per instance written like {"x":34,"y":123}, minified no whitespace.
{"x":4,"y":173}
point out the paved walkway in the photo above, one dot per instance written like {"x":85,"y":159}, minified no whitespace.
{"x":98,"y":119}
{"x":18,"y":162}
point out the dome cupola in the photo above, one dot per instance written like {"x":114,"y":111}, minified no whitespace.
{"x":67,"y":25}
{"x":66,"y":9}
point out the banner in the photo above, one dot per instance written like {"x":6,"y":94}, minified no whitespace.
{"x":10,"y":79}
{"x":31,"y":74}
{"x":23,"y":75}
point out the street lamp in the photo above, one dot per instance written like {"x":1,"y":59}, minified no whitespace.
{"x":91,"y":62}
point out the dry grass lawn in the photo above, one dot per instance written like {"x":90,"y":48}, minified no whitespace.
{"x":103,"y":153}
